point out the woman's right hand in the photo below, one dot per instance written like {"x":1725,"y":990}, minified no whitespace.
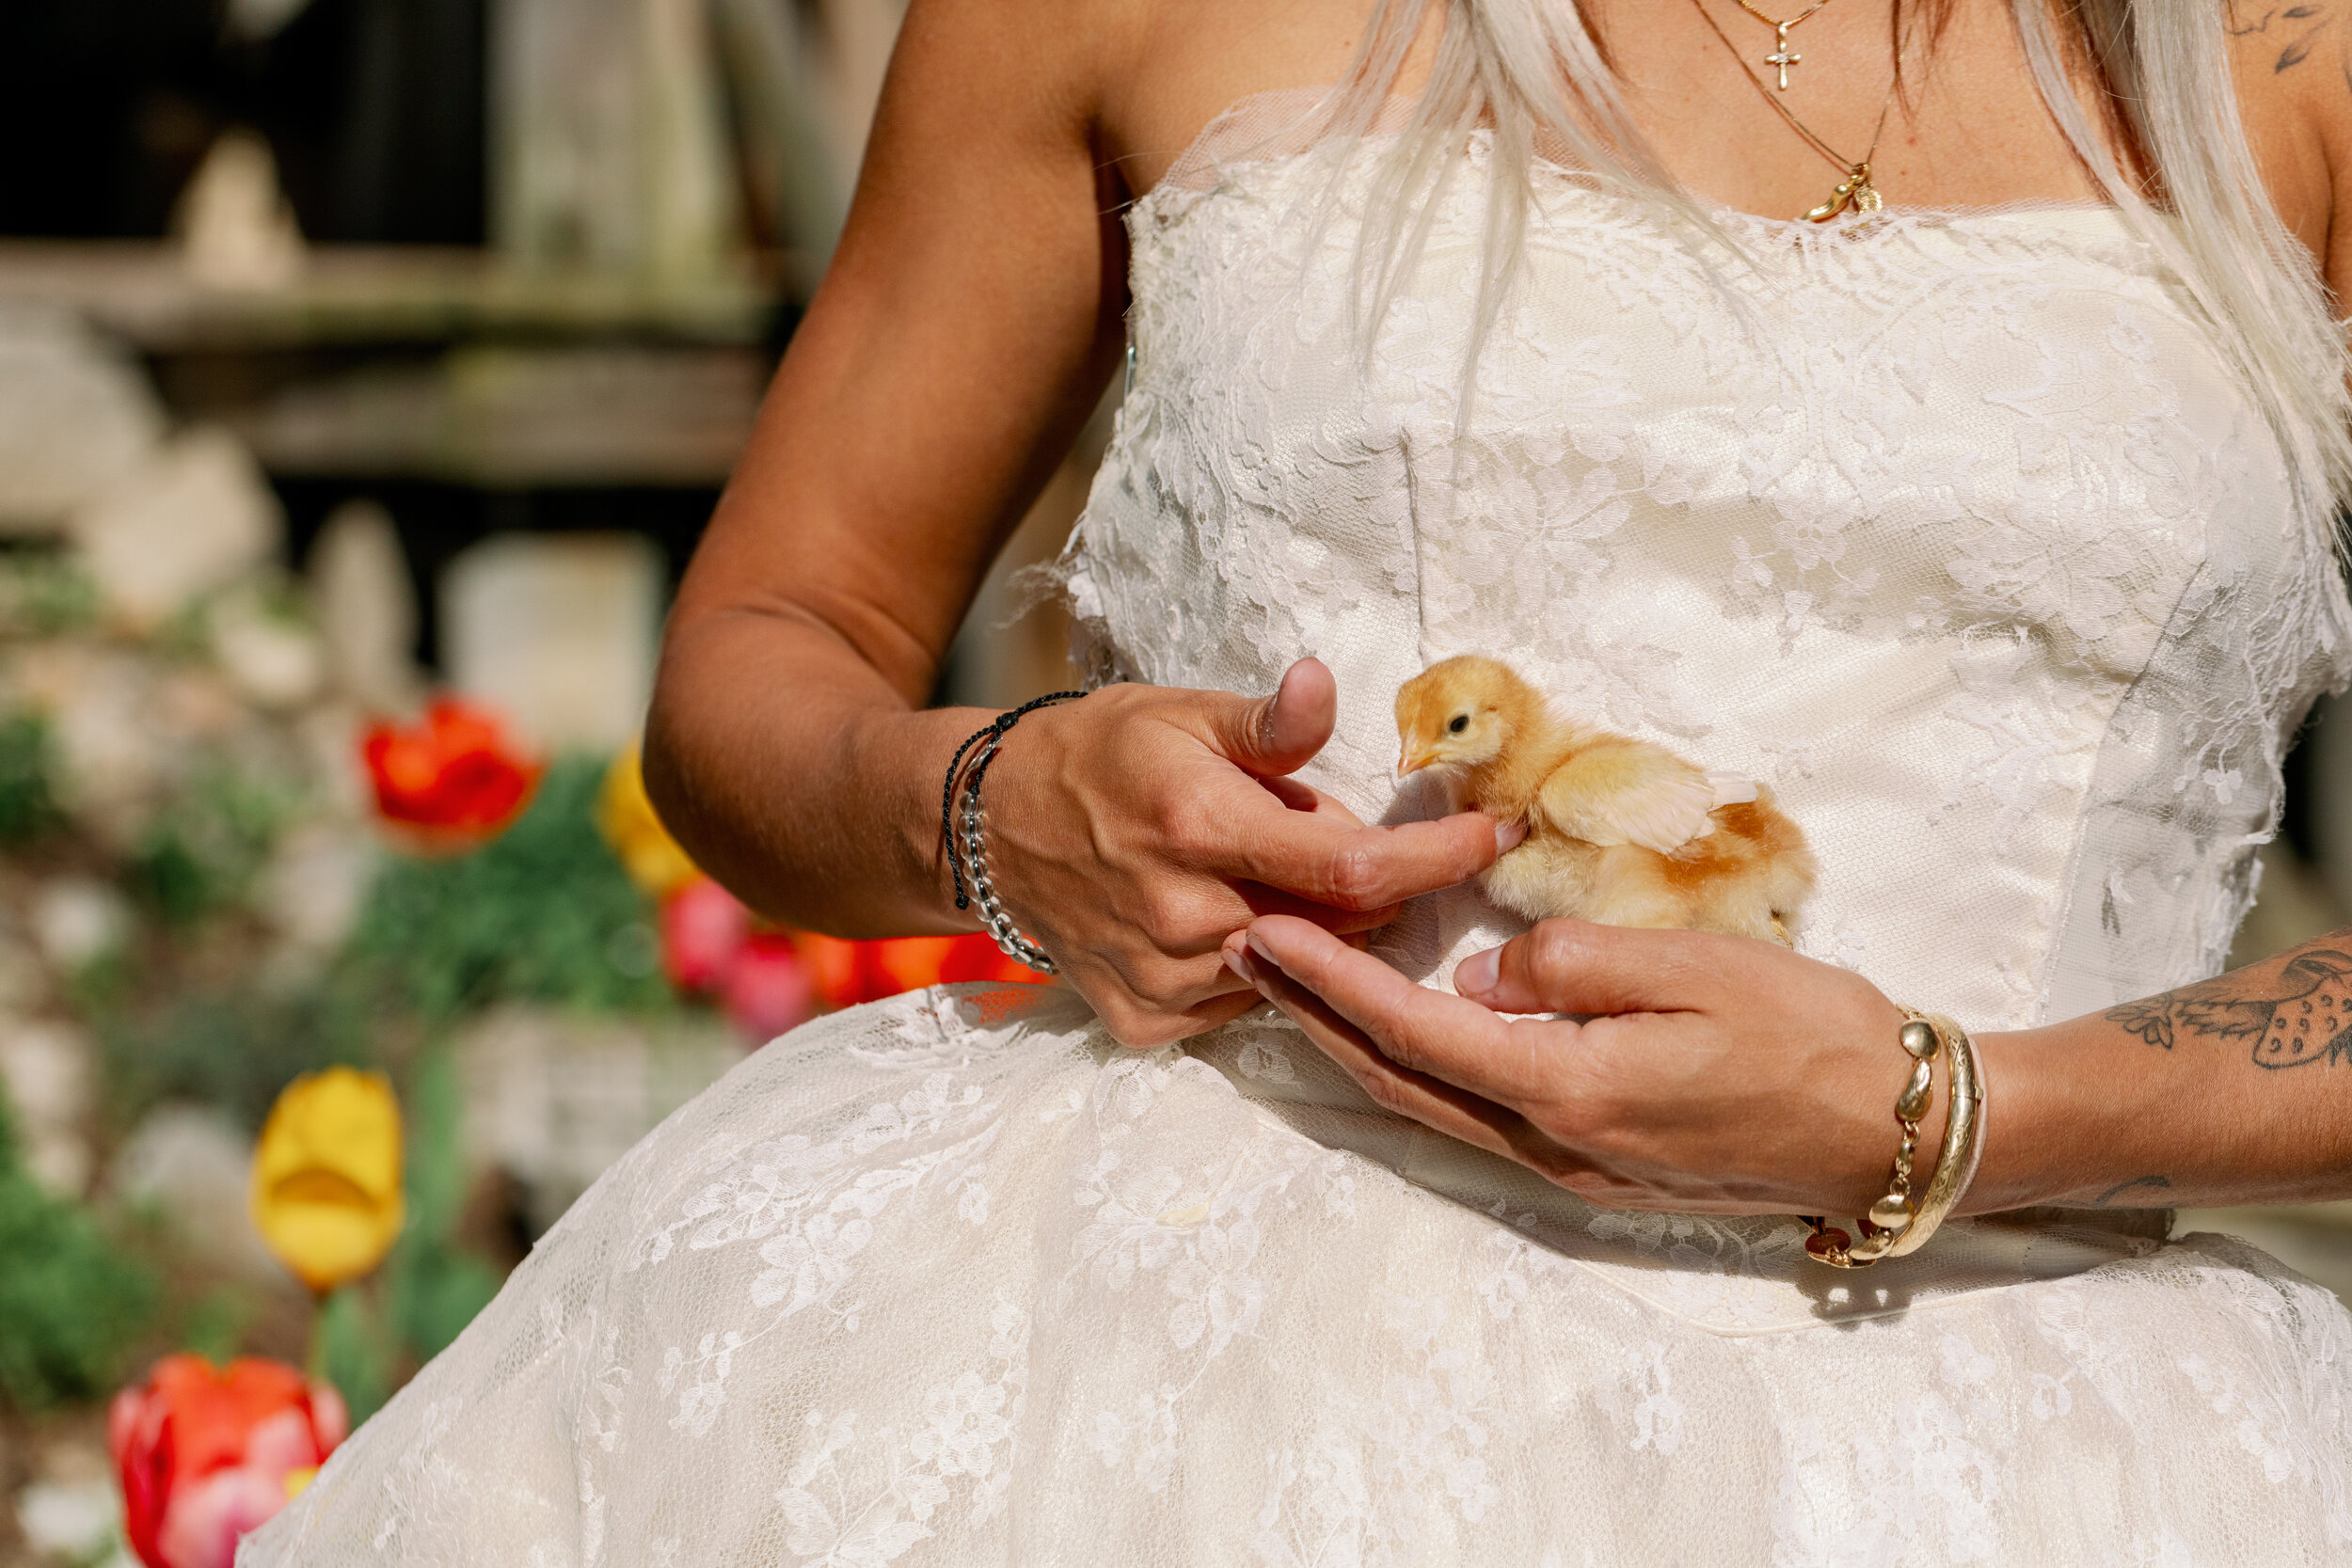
{"x":1131,"y":832}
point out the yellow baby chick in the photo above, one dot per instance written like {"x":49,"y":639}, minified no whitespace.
{"x":1618,"y":831}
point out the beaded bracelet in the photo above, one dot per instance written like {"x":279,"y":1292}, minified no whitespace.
{"x":963,"y":848}
{"x":1897,"y":1224}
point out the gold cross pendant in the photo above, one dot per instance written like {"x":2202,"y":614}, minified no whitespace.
{"x":1781,"y":56}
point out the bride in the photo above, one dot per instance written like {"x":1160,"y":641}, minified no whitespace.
{"x":1989,"y":526}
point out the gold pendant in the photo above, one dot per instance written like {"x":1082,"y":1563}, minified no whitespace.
{"x":1854,"y":192}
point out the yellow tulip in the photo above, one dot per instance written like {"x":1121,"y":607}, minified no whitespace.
{"x":326,"y":1191}
{"x":625,"y":817}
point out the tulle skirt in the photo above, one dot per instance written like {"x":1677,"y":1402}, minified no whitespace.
{"x":953,"y":1279}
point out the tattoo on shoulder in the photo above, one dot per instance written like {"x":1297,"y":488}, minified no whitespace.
{"x":2294,"y":29}
{"x":2291,"y":1014}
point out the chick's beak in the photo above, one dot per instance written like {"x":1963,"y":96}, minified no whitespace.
{"x":1411,"y":761}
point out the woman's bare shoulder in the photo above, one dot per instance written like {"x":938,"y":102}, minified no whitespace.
{"x":2293,"y":63}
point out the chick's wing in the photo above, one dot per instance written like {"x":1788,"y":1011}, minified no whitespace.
{"x":1631,"y":792}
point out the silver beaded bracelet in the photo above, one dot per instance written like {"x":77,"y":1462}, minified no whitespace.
{"x":964,"y":854}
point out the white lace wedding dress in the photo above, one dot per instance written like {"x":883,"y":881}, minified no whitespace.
{"x":1953,"y":526}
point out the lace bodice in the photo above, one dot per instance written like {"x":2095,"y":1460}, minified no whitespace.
{"x":1953,"y":527}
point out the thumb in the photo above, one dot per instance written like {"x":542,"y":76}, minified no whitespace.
{"x":1572,"y":966}
{"x":1281,"y":734}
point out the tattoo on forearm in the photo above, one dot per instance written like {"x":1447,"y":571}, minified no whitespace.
{"x":2106,"y":1199}
{"x":2291,"y":1014}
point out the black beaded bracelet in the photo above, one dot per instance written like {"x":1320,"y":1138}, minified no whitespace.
{"x":964,"y":858}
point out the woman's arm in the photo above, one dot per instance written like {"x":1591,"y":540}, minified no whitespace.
{"x":1721,"y":1075}
{"x":966,"y":327}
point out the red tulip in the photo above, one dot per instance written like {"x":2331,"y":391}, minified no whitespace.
{"x":849,"y":973}
{"x":207,"y":1453}
{"x":703,"y":928}
{"x":452,"y":780}
{"x":768,"y":979}
{"x":766,"y":989}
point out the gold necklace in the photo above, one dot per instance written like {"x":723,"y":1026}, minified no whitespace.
{"x":1781,"y":56}
{"x":1854,"y":191}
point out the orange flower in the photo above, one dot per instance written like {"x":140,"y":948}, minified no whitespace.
{"x":453,"y":781}
{"x":207,"y":1453}
{"x":849,"y":973}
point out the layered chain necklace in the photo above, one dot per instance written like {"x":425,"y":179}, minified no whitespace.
{"x":1854,"y":192}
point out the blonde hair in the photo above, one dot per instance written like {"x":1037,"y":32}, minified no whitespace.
{"x":1532,"y":75}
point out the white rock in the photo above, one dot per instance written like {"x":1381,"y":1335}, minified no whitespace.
{"x":273,"y":662}
{"x":193,"y":519}
{"x":553,"y":1099}
{"x":315,"y":883}
{"x":103,"y":711}
{"x":556,"y":633}
{"x":237,"y":225}
{"x":193,"y":1164}
{"x":78,"y":920}
{"x":76,"y":1520}
{"x":367,"y":608}
{"x":76,"y":414}
{"x":45,"y":1066}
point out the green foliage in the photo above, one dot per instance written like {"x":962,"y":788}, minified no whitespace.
{"x":202,"y":852}
{"x":44,"y":593}
{"x":348,"y":1350}
{"x":71,"y":1302}
{"x":28,"y":796}
{"x":543,"y":913}
{"x":234,"y":1049}
{"x":430,"y":1287}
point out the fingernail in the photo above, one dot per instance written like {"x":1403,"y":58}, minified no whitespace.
{"x":1476,"y":975}
{"x":1507,"y":836}
{"x":1239,"y":963}
{"x":1257,"y":945}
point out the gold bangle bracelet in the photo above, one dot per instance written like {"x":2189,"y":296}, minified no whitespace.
{"x":1898,"y":1223}
{"x":1963,"y":1139}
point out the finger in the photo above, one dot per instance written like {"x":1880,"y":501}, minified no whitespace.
{"x":1574,"y":966}
{"x":1295,"y":796}
{"x":1361,"y":869}
{"x":1265,"y":900}
{"x":1423,"y":1030}
{"x":1432,"y":1102}
{"x":1172,"y":1003}
{"x":1281,"y":734}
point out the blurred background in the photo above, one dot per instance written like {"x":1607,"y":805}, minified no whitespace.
{"x":368,"y":369}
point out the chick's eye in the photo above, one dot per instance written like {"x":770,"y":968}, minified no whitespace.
{"x":1461,"y":722}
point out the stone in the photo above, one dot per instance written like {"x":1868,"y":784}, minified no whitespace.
{"x":552,"y":1098}
{"x":192,"y":1166}
{"x":557,"y":633}
{"x":45,"y":1066}
{"x":236,"y":226}
{"x":273,"y":660}
{"x":114,"y":755}
{"x":315,"y":883}
{"x":76,"y":413}
{"x":73,"y":1521}
{"x":194,"y":518}
{"x":367,"y":608}
{"x":79,"y":920}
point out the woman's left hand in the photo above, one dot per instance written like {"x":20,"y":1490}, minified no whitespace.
{"x":1708,"y":1073}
